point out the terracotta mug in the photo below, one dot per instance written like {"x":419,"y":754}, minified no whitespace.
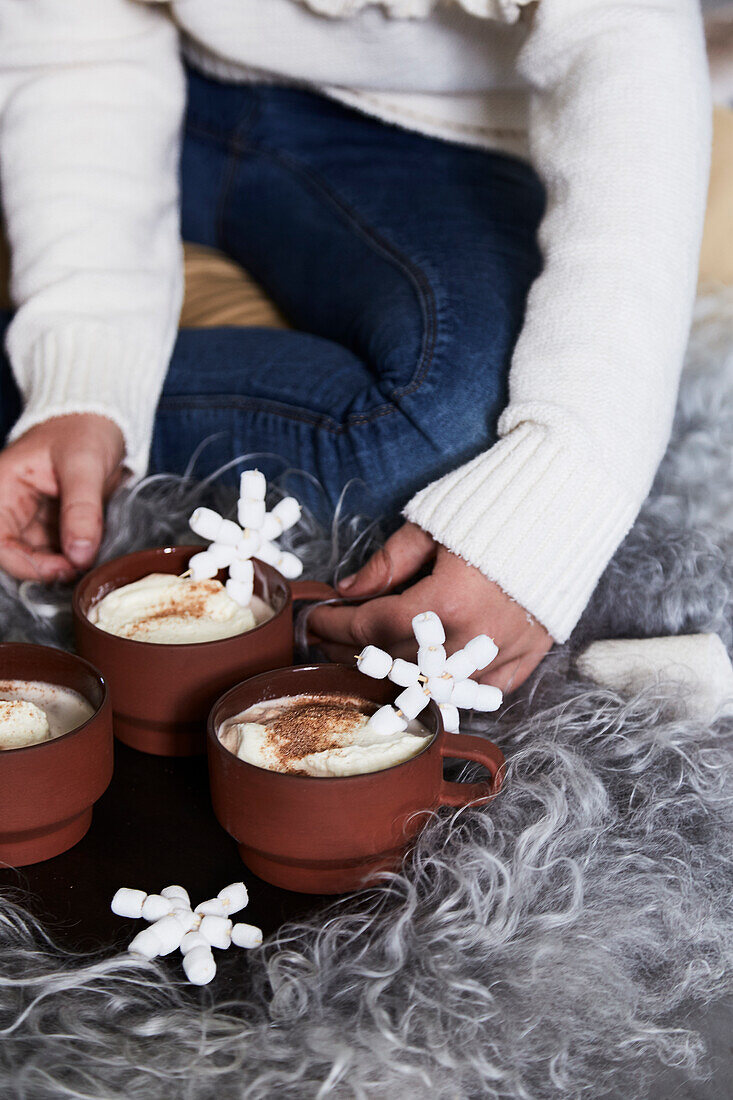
{"x":48,"y":790}
{"x":161,"y":694}
{"x":328,"y":835}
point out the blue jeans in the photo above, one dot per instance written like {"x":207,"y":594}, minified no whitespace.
{"x":402,"y":263}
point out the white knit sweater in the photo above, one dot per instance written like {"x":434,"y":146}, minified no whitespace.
{"x":608,"y":98}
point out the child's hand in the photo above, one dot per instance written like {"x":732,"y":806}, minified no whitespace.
{"x":465,"y":600}
{"x":53,"y":484}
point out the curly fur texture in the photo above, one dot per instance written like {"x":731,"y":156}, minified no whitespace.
{"x":549,"y":946}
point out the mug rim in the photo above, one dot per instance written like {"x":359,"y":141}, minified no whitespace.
{"x":213,"y":738}
{"x":77,"y":729}
{"x":167,"y":647}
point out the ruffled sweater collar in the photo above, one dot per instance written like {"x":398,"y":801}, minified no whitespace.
{"x":506,"y":11}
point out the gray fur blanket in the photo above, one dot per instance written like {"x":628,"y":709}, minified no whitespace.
{"x":552,"y":945}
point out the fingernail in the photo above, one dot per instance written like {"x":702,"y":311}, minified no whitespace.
{"x":80,"y":550}
{"x":347,"y":581}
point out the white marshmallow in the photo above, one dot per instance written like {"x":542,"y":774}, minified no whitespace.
{"x":128,"y":902}
{"x":387,"y":721}
{"x":176,"y":892}
{"x":246,"y":935}
{"x":234,"y":897}
{"x":374,"y":662}
{"x":271,"y":528}
{"x":199,"y":965}
{"x":203,"y":566}
{"x":191,"y":940}
{"x":230,"y":533}
{"x":214,"y":907}
{"x":217,"y":931}
{"x":431,"y":659}
{"x":251,"y":513}
{"x":145,"y":943}
{"x":249,"y":544}
{"x":169,"y":932}
{"x":290,"y":565}
{"x":428,"y":629}
{"x":464,"y":694}
{"x":404,"y":673}
{"x":451,"y":717}
{"x":156,"y":906}
{"x":239,"y":591}
{"x":482,"y":649}
{"x":223,"y":554}
{"x":242,"y":570}
{"x":187,"y":919}
{"x":440,"y":688}
{"x":206,"y":523}
{"x":460,"y":665}
{"x":269,"y":552}
{"x":487,"y":698}
{"x":252,"y":485}
{"x":412,"y":701}
{"x":287,"y":512}
{"x":179,"y":905}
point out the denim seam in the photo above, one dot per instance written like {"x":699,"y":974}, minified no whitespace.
{"x":374,"y":239}
{"x":414,"y":274}
{"x":271,"y":408}
{"x":231,"y":143}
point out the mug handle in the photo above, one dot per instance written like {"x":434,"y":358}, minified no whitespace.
{"x":312,"y":590}
{"x":466,"y":747}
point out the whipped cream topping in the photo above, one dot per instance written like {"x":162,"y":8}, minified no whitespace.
{"x":167,"y":610}
{"x":32,"y":711}
{"x":317,"y":735}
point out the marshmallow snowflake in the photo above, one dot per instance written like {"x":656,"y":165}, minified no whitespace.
{"x":174,"y":924}
{"x":436,"y":676}
{"x":233,"y":545}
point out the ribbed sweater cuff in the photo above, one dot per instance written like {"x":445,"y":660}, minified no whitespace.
{"x":83,"y":367}
{"x":537,"y":515}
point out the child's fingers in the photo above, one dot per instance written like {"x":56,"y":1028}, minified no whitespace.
{"x":511,"y":672}
{"x":337,"y":624}
{"x":28,"y":563}
{"x":346,"y":654}
{"x":40,"y":534}
{"x":507,"y":676}
{"x":24,"y":551}
{"x":341,"y":654}
{"x":81,"y":479}
{"x":384,"y":622}
{"x":399,"y":559}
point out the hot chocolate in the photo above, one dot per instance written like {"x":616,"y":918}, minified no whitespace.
{"x":318,"y":735}
{"x":170,"y":610}
{"x":32,"y":711}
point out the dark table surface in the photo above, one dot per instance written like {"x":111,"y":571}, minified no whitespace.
{"x":152,"y":828}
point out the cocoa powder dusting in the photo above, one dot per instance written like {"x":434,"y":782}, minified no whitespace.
{"x":188,"y":603}
{"x":318,"y":724}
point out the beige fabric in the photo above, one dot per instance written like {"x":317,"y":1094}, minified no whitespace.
{"x":716,"y":256}
{"x":220,"y":292}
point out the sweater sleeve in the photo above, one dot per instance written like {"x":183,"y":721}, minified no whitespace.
{"x":620,"y":134}
{"x":91,"y":97}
